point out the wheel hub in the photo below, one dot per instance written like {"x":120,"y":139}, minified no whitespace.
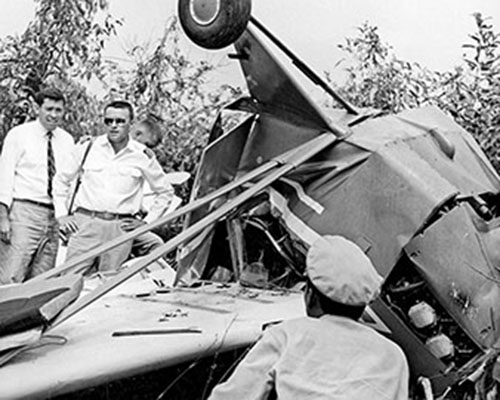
{"x":204,"y":12}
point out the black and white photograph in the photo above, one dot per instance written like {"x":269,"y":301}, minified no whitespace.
{"x":250,"y":199}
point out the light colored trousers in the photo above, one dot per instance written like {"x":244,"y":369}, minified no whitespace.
{"x":33,"y":244}
{"x":145,"y":244}
{"x":93,"y":232}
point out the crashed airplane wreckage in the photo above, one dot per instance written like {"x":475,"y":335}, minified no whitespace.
{"x":413,"y":190}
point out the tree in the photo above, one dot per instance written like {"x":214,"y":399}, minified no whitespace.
{"x":63,"y":47}
{"x":377,"y":78}
{"x":470,"y":93}
{"x":165,"y":84}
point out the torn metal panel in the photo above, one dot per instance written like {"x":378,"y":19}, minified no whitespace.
{"x":192,"y":257}
{"x":380,"y":201}
{"x":271,"y":86}
{"x":270,"y":137}
{"x":451,"y":256}
{"x":220,"y":160}
{"x":414,"y":181}
{"x":218,"y":166}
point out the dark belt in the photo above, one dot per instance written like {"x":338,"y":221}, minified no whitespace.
{"x":108,"y":216}
{"x":36,"y":203}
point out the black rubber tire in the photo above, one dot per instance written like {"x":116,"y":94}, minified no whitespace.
{"x":218,"y":27}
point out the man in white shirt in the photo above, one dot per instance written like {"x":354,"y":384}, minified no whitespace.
{"x":31,"y":153}
{"x":328,"y":354}
{"x":111,"y":189}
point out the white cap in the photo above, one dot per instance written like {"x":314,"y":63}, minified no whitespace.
{"x":340,"y":270}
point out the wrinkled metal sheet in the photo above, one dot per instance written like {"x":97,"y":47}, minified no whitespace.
{"x":220,"y":160}
{"x":452,"y":255}
{"x":271,"y":137}
{"x":406,"y":177}
{"x":273,"y":87}
{"x":375,"y":202}
{"x":412,"y":132}
{"x":218,"y":166}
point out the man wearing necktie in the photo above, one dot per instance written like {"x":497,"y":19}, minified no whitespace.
{"x":30,"y":155}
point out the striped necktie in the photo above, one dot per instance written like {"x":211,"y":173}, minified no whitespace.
{"x":51,"y":164}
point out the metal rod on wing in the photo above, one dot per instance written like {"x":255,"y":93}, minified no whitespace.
{"x":302,"y":66}
{"x":71,"y":264}
{"x":288,"y":162}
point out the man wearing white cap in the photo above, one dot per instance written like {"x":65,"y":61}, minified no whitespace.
{"x":328,"y":354}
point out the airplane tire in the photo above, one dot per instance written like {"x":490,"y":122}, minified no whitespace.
{"x":214,"y":24}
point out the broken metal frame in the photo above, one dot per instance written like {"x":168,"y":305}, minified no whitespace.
{"x":288,"y":162}
{"x":305,"y":69}
{"x":73,"y":263}
{"x":277,"y":168}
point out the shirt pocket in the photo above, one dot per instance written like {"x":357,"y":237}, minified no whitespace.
{"x":94,"y":176}
{"x":34,"y":157}
{"x":128,"y":179}
{"x":94,"y":170}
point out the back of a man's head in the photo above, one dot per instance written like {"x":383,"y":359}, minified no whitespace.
{"x":341,"y":277}
{"x":148,"y":132}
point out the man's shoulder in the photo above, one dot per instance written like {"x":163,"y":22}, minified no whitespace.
{"x":25,"y":128}
{"x":20,"y":135}
{"x":380,"y":341}
{"x":142,"y":149}
{"x":93,"y":141}
{"x":63,"y":132}
{"x":99,"y":139}
{"x":294,"y":324}
{"x":65,"y":135}
{"x":279,"y":332}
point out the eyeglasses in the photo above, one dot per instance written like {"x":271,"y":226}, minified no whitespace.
{"x":118,"y":121}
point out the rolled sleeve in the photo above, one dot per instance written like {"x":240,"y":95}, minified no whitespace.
{"x":162,"y":191}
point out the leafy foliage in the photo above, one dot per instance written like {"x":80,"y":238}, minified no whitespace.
{"x":62,"y":47}
{"x":165,"y":84}
{"x":470,"y":93}
{"x":377,"y":78}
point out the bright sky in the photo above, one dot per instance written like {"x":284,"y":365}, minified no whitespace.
{"x":430,"y":32}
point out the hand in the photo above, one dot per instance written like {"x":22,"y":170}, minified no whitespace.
{"x":4,"y":228}
{"x":68,"y":224}
{"x":129,"y":224}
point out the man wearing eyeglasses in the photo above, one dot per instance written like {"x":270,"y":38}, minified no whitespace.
{"x":110,"y":191}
